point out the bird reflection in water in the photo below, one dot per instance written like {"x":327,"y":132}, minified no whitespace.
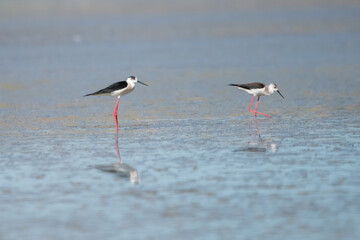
{"x":121,"y":169}
{"x":256,"y":142}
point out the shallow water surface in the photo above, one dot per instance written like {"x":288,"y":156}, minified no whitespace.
{"x":189,"y":161}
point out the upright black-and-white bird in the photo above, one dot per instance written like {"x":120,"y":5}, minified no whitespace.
{"x":258,"y":89}
{"x":117,"y":90}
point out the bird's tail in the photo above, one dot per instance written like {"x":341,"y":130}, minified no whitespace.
{"x":96,"y":93}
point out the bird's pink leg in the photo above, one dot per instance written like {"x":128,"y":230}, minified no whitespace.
{"x":257,"y":102}
{"x":115,"y":114}
{"x":249,"y":109}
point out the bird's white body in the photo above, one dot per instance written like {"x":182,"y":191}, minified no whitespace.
{"x":118,"y":89}
{"x":129,"y":88}
{"x":256,"y":91}
{"x":266,"y":90}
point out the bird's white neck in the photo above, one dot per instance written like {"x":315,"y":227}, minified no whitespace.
{"x":131,"y":83}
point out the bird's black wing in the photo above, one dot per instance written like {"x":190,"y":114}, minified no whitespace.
{"x":249,"y":86}
{"x":113,"y":87}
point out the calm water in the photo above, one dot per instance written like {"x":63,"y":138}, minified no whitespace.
{"x":194,"y":163}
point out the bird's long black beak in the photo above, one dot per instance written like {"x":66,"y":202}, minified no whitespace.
{"x":142,"y":83}
{"x":280,"y":94}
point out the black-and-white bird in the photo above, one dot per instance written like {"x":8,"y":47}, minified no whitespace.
{"x":258,"y":89}
{"x":117,"y":90}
